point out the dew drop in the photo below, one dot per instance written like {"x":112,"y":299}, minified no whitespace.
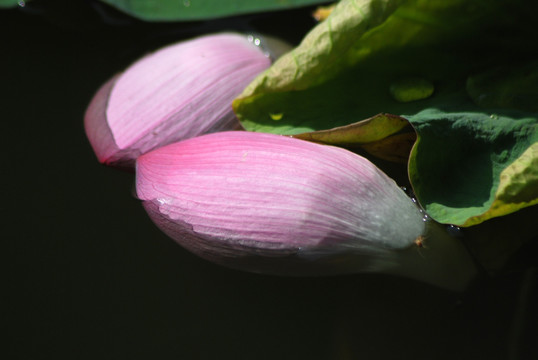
{"x":276,"y":117}
{"x":22,"y":3}
{"x":186,"y":3}
{"x":494,"y":116}
{"x":454,"y":231}
{"x":410,"y":89}
{"x":254,"y":40}
{"x":409,"y":192}
{"x":271,"y":47}
{"x":163,"y":201}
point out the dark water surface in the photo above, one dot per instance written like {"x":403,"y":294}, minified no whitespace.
{"x":90,"y":277}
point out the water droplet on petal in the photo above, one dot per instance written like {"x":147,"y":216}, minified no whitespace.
{"x":272,"y":47}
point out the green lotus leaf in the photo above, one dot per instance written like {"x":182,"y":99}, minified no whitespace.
{"x":8,"y":3}
{"x":425,"y":61}
{"x":344,"y":69}
{"x":467,"y":167}
{"x":188,"y":10}
{"x":518,"y":187}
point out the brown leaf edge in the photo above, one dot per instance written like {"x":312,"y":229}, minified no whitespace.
{"x":386,"y":136}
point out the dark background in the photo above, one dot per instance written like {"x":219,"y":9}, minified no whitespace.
{"x":89,"y":276}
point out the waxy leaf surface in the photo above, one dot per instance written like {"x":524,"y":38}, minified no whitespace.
{"x":469,"y":166}
{"x":352,"y":65}
{"x":188,"y":10}
{"x":8,"y":3}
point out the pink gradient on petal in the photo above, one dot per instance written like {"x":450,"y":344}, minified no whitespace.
{"x":176,"y":93}
{"x":261,"y":191}
{"x":191,"y":83}
{"x":96,"y":126}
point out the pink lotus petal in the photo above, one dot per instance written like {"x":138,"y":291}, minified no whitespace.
{"x":176,"y":93}
{"x":237,"y":194}
{"x":96,"y":126}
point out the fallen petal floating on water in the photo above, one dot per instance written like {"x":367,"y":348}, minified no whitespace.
{"x":175,"y":93}
{"x":274,"y":204}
